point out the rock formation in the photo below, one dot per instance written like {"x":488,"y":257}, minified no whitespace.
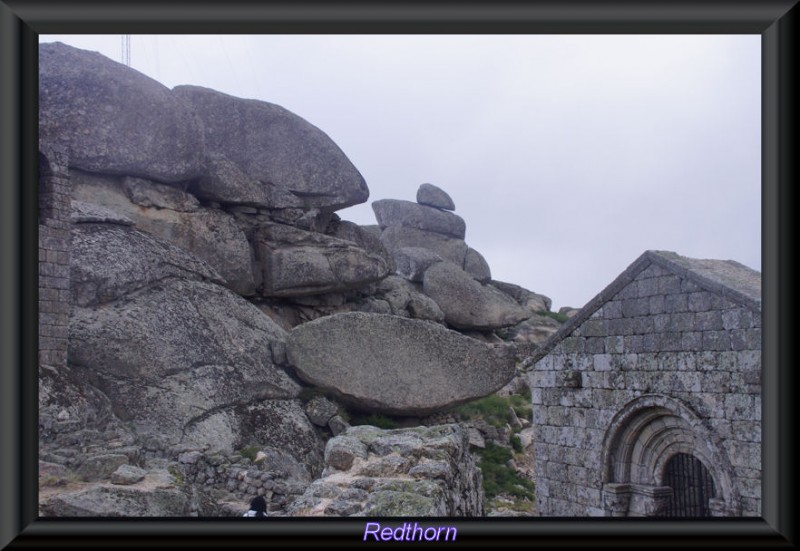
{"x":395,"y":365}
{"x":213,"y":289}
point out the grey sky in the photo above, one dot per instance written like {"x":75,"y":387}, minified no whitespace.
{"x":567,"y":156}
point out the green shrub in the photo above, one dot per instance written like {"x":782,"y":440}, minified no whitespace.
{"x":560,"y":318}
{"x":516,"y":443}
{"x":249,"y":452}
{"x":494,"y":409}
{"x":500,"y":478}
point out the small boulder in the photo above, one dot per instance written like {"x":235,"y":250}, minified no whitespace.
{"x":320,"y":410}
{"x":296,"y":262}
{"x":126,"y":475}
{"x":411,"y":262}
{"x":466,"y":303}
{"x":342,"y":451}
{"x":430,"y":195}
{"x":476,"y":266}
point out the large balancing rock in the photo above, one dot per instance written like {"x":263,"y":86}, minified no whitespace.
{"x":115,"y":120}
{"x":277,"y":148}
{"x":395,"y":365}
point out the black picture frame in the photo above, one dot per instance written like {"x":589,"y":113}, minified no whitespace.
{"x":22,"y":21}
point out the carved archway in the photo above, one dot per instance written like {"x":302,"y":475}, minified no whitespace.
{"x":640,"y":441}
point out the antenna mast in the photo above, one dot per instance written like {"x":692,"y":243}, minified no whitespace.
{"x":126,"y":49}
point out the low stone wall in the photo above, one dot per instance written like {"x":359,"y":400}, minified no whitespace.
{"x":276,"y":477}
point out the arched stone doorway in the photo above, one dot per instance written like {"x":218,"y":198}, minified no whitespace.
{"x":650,"y":448}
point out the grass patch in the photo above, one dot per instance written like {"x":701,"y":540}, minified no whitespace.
{"x":500,"y":478}
{"x":560,"y":318}
{"x":176,"y":471}
{"x":494,"y":409}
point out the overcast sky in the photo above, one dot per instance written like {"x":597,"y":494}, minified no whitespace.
{"x":567,"y":156}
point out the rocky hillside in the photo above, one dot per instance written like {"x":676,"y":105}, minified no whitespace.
{"x":227,"y":326}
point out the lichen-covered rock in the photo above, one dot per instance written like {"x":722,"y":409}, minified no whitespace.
{"x":87,"y":213}
{"x":164,"y":499}
{"x":448,"y":248}
{"x":395,"y":365}
{"x":177,"y":356}
{"x":422,"y":471}
{"x":276,"y":147}
{"x":476,"y":266}
{"x":412,"y":262}
{"x":126,"y":475}
{"x":395,"y":212}
{"x":466,"y":303}
{"x":210,"y":234}
{"x":533,"y":302}
{"x":223,"y":181}
{"x":115,"y":120}
{"x":139,"y":260}
{"x":536,"y":329}
{"x":296,"y":262}
{"x":320,"y":410}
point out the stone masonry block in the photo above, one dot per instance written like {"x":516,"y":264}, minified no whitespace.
{"x":657,"y":303}
{"x":571,"y":345}
{"x":631,"y":290}
{"x":709,"y":321}
{"x":648,"y":287}
{"x":635,"y":307}
{"x":602,"y":362}
{"x":691,"y":340}
{"x":688,"y":286}
{"x":739,"y":407}
{"x":595,"y":345}
{"x":672,"y":342}
{"x":716,"y":340}
{"x":614,"y":344}
{"x":612,"y":309}
{"x":669,"y":284}
{"x":674,"y":303}
{"x":620,"y":327}
{"x":699,"y":301}
{"x":595,"y":328}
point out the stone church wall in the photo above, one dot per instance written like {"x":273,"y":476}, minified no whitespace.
{"x":663,"y":362}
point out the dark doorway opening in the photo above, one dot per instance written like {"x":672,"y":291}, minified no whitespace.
{"x":692,"y":487}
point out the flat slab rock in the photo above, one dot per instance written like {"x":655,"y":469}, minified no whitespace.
{"x":395,"y":365}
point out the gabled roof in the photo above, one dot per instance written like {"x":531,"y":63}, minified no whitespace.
{"x":727,"y":278}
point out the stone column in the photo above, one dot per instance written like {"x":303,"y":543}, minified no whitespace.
{"x":650,"y":501}
{"x":616,"y":499}
{"x":54,"y":246}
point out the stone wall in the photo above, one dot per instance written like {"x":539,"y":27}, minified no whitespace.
{"x":54,"y":245}
{"x":661,"y":366}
